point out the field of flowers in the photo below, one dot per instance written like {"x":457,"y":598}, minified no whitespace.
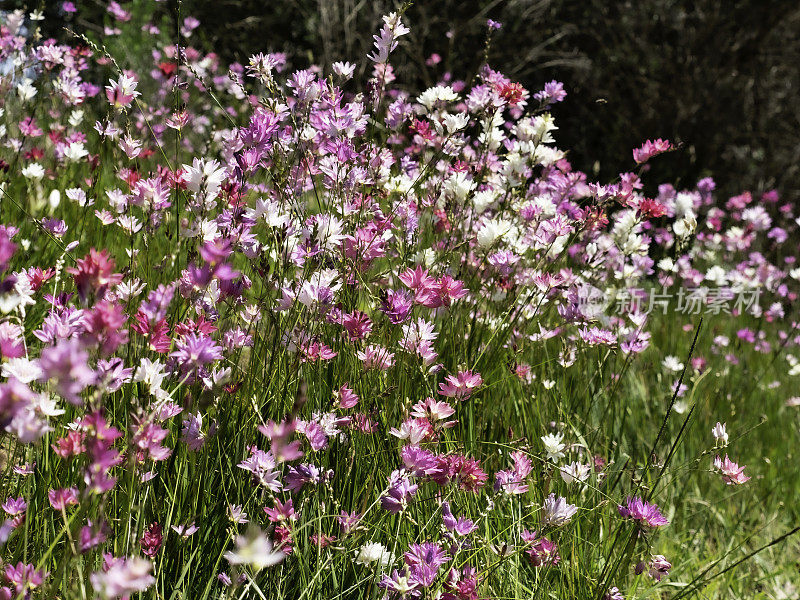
{"x":303,"y":334}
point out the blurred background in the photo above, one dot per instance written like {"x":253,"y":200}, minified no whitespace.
{"x":719,"y":77}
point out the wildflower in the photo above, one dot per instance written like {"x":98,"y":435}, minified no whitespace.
{"x":553,"y":446}
{"x":657,"y":567}
{"x":194,"y":351}
{"x":392,"y":29}
{"x":376,"y":357}
{"x":541,"y":551}
{"x":236,"y":514}
{"x":720,"y":434}
{"x":647,"y":515}
{"x":66,"y":363}
{"x":262,"y":467}
{"x":613,"y":594}
{"x":398,"y":492}
{"x":254,"y":549}
{"x":460,"y":526}
{"x":491,"y":231}
{"x":513,"y":481}
{"x":94,"y":273}
{"x":732,"y":474}
{"x":348,"y":521}
{"x":557,"y":511}
{"x":401,"y":584}
{"x":14,"y":506}
{"x":122,"y":577}
{"x":575,"y":472}
{"x":24,"y":577}
{"x":672,"y":363}
{"x":552,"y":92}
{"x":61,"y":498}
{"x":192,"y":434}
{"x":374,"y":553}
{"x":122,"y":91}
{"x":33,"y":171}
{"x":461,"y":386}
{"x":650,"y":149}
{"x":185,"y":531}
{"x":151,"y":540}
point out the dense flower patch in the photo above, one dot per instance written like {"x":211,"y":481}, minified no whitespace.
{"x":268,"y":332}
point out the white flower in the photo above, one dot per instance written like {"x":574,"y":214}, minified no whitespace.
{"x":458,"y":186}
{"x":204,"y":177}
{"x":33,"y":171}
{"x":720,"y":435}
{"x":75,"y":152}
{"x":126,"y":290}
{"x":553,"y":446}
{"x":22,"y":369}
{"x":440,"y":93}
{"x":685,"y":227}
{"x":344,"y":69}
{"x":20,"y":297}
{"x":716,"y":275}
{"x":26,"y":90}
{"x":47,"y":406}
{"x":672,"y":363}
{"x":374,"y":553}
{"x":270,"y":211}
{"x":575,"y":472}
{"x":152,"y":374}
{"x":491,"y":231}
{"x":556,"y":511}
{"x":254,"y":549}
{"x":454,"y":123}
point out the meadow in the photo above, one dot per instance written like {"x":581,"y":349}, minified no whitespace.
{"x":279,"y":333}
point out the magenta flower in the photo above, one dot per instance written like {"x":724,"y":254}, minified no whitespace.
{"x":25,"y":577}
{"x":647,"y":515}
{"x":151,"y":540}
{"x":542,"y":551}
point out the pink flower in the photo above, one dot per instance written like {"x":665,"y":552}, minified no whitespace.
{"x":61,"y":498}
{"x":461,"y":386}
{"x":376,"y":357}
{"x":732,"y":474}
{"x":650,"y":149}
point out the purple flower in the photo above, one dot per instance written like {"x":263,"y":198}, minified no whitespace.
{"x":647,"y":515}
{"x":460,"y":525}
{"x":196,"y":351}
{"x":657,"y":567}
{"x":542,"y":550}
{"x":66,"y":363}
{"x":552,"y":92}
{"x":14,"y":506}
{"x":192,"y":433}
{"x":25,"y":577}
{"x":262,"y":466}
{"x":400,"y":489}
{"x":405,"y":584}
